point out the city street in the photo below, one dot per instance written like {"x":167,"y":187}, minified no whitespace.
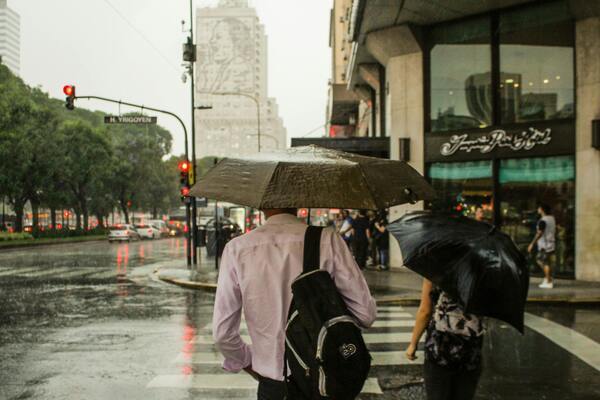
{"x":91,"y":321}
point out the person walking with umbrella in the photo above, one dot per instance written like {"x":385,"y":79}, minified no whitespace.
{"x":471,"y":271}
{"x":453,"y":345}
{"x":361,"y":235}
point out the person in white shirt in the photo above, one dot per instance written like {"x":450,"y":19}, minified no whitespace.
{"x":545,"y":238}
{"x":255,"y":276}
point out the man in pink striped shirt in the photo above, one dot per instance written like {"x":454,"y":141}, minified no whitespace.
{"x":256,"y":274}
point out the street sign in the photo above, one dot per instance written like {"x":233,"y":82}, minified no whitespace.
{"x":129,"y":119}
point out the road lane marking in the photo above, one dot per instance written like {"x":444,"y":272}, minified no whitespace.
{"x":574,"y":342}
{"x":227,"y":381}
{"x":390,"y":308}
{"x":402,"y":323}
{"x":395,"y":315}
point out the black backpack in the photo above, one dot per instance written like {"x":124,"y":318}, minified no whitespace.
{"x":324,"y":347}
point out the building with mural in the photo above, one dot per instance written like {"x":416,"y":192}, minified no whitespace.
{"x":231,"y":76}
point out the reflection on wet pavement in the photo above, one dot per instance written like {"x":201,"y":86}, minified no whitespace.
{"x":89,"y":321}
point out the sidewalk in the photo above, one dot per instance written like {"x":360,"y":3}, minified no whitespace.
{"x":399,"y":285}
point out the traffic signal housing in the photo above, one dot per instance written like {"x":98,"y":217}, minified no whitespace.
{"x":69,"y":90}
{"x":184,"y":178}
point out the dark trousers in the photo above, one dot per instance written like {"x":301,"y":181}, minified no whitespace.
{"x":361,"y":248}
{"x":443,"y":383}
{"x":269,"y":389}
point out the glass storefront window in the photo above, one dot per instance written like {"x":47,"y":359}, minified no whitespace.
{"x":536,"y":63}
{"x":462,"y":187}
{"x":527,"y":182}
{"x":460,"y":59}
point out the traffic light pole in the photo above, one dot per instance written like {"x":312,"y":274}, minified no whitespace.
{"x":188,"y":250}
{"x":194,"y":210}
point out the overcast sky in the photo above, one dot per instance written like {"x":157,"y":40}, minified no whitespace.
{"x":88,"y":43}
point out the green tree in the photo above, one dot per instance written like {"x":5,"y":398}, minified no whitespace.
{"x":87,"y":159}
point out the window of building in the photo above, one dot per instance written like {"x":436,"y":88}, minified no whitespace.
{"x":461,"y":187}
{"x":525,"y":53}
{"x":527,"y":182}
{"x":460,"y":75}
{"x":536,"y":63}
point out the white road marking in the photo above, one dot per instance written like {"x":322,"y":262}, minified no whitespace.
{"x":403,"y":323}
{"x":225,"y":381}
{"x":574,"y":342}
{"x":389,"y":308}
{"x":370,"y":338}
{"x":46,"y":272}
{"x":394,"y":315}
{"x":379,"y":358}
{"x":394,"y":358}
{"x":19,"y":271}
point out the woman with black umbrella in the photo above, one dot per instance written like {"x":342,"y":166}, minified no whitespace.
{"x":452,"y":346}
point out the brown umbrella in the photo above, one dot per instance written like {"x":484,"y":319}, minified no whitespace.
{"x":313,"y":177}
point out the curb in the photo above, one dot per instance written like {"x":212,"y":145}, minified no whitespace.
{"x":405,"y":301}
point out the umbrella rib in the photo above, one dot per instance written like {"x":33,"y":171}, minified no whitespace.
{"x":264,"y":189}
{"x":371,"y":191}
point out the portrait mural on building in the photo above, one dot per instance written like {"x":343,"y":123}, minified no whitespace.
{"x":225,"y":56}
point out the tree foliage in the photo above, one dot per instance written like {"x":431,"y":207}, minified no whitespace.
{"x":59,"y":159}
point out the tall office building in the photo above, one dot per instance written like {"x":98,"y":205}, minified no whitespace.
{"x":10,"y":38}
{"x":231,"y":76}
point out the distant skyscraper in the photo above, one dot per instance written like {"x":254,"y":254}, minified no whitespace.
{"x":232,"y":58}
{"x":10,"y":38}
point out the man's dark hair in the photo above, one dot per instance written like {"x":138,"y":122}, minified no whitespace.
{"x":546,"y":208}
{"x":362,"y":211}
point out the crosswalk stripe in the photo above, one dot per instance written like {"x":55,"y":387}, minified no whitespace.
{"x":394,"y":358}
{"x":407,"y":323}
{"x":387,"y":337}
{"x":390,"y":308}
{"x":19,"y":271}
{"x":379,"y":358}
{"x":46,"y":272}
{"x":227,"y":382}
{"x":395,"y":315}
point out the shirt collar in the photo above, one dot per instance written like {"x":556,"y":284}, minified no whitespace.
{"x":281,"y":219}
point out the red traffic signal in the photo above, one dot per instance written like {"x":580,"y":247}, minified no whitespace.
{"x":69,"y":90}
{"x":185,"y":191}
{"x":184,"y":166}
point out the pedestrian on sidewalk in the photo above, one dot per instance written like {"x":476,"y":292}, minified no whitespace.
{"x":346,"y":230}
{"x":256,"y":274}
{"x":360,"y":241}
{"x":373,"y":257}
{"x":382,"y":240}
{"x":453,"y":346}
{"x":545,"y":239}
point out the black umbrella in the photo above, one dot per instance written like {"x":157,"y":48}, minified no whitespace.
{"x":476,"y":264}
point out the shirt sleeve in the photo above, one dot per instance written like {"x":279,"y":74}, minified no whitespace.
{"x":541,"y":225}
{"x":227,"y":317}
{"x":349,"y":281}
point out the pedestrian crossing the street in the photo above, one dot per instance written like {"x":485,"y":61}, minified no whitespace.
{"x":199,"y":364}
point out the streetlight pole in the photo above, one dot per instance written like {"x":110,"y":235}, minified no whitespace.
{"x":194,"y":171}
{"x":253,"y":98}
{"x":266,"y":135}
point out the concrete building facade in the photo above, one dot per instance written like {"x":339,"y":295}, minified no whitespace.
{"x":10,"y":38}
{"x":495,"y":103}
{"x":231,"y":76}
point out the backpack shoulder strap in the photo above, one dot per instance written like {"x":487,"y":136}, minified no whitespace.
{"x":312,"y":249}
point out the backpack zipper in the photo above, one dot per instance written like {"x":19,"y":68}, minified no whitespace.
{"x":320,"y":340}
{"x":296,"y":356}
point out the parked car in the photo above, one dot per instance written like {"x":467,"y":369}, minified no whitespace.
{"x":176,"y":228}
{"x":147,"y":231}
{"x":123,"y":232}
{"x":161,"y":225}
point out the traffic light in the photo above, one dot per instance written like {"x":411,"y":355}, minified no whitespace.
{"x":69,"y":90}
{"x":184,"y":178}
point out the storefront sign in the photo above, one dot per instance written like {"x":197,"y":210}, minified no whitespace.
{"x":524,"y":140}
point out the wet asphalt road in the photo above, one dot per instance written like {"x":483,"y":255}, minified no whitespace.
{"x":90,"y":321}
